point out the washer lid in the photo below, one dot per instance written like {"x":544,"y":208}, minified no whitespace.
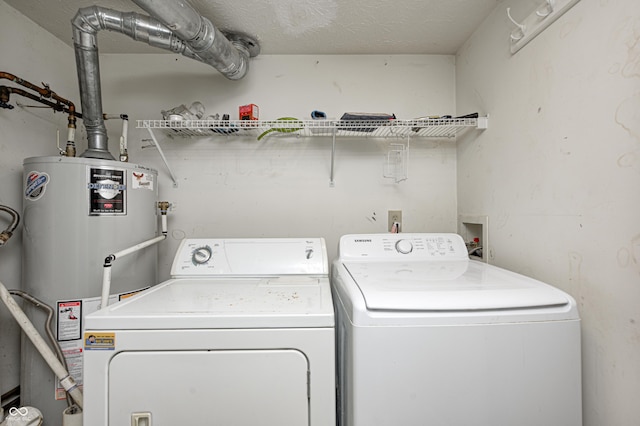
{"x":197,"y":303}
{"x":448,"y":286}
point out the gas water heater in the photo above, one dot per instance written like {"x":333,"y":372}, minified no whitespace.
{"x":76,"y":211}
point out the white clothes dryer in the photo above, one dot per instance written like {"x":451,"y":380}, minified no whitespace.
{"x":243,"y":335}
{"x":427,"y":337}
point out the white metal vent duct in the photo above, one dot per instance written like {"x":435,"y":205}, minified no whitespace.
{"x":177,"y":27}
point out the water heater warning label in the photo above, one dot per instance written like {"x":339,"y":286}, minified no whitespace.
{"x":69,"y":320}
{"x":107,"y":192}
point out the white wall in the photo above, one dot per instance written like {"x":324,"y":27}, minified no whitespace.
{"x":231,"y":187}
{"x":34,"y":55}
{"x":558,"y":174}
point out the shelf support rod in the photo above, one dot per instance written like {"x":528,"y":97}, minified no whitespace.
{"x":333,"y":156}
{"x":155,"y":142}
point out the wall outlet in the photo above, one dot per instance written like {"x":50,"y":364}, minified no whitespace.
{"x":395,"y":216}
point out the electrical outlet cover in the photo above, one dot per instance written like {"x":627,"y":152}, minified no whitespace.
{"x":394,"y":216}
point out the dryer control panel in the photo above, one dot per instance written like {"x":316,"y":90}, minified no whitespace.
{"x":420,"y":246}
{"x":250,"y":257}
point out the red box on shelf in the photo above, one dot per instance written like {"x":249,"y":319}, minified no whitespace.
{"x":248,"y":112}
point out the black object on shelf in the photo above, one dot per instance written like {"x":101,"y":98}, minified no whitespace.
{"x":365,"y":122}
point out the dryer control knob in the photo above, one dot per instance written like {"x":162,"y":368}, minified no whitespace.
{"x":201,"y":255}
{"x":404,"y":246}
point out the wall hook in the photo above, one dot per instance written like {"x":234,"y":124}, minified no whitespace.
{"x":514,"y":34}
{"x":545,"y":14}
{"x":549,"y":7}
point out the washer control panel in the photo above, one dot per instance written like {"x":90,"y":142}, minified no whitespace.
{"x":250,"y":257}
{"x":407,"y":246}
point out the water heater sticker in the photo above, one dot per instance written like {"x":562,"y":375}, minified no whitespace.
{"x":73,"y":358}
{"x":69,"y":320}
{"x":141,"y":180}
{"x":68,"y":328}
{"x":35,"y":185}
{"x":107,"y":192}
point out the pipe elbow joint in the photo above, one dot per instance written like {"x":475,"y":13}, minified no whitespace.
{"x":109,"y":260}
{"x":87,"y":19}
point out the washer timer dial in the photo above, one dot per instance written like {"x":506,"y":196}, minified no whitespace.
{"x":404,"y":246}
{"x":201,"y":255}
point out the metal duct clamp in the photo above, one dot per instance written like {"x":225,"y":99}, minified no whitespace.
{"x":243,"y":41}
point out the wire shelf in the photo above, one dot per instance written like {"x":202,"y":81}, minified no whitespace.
{"x":423,"y":128}
{"x":397,"y":160}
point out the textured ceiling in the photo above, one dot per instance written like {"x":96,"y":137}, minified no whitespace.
{"x":301,"y":26}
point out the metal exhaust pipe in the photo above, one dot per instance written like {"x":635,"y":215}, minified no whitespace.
{"x":229,"y":55}
{"x":204,"y":43}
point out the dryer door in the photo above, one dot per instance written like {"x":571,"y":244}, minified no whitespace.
{"x":242,"y":388}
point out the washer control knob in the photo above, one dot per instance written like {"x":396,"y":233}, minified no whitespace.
{"x":404,"y":246}
{"x":201,"y":255}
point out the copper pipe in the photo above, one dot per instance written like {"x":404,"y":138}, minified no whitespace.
{"x":5,"y":92}
{"x":44,"y":92}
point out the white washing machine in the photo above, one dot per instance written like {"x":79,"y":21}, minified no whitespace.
{"x":243,"y":335}
{"x":427,"y":337}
